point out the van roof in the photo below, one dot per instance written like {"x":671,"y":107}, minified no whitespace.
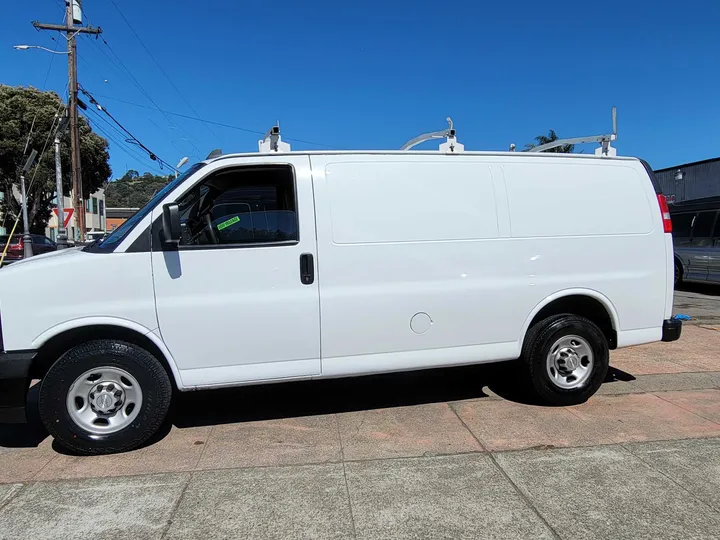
{"x":422,"y":153}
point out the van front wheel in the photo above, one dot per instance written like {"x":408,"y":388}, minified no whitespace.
{"x":104,"y":396}
{"x":567,"y":359}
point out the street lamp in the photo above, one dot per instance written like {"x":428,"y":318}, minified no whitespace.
{"x":26,"y":47}
{"x":182,"y":162}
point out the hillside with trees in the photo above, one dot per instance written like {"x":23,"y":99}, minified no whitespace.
{"x":133,"y":190}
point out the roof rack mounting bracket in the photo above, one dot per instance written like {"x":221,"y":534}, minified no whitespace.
{"x":272,"y":142}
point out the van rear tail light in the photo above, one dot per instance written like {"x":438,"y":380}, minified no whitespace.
{"x":665,"y":212}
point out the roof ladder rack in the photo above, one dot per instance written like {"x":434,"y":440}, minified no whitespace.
{"x":604,"y":140}
{"x":272,"y":142}
{"x":450,"y":146}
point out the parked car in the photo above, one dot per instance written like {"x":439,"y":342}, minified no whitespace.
{"x":16,"y":248}
{"x":259,"y":268}
{"x":696,"y":237}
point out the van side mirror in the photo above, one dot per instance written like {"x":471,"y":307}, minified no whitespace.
{"x":171,"y":224}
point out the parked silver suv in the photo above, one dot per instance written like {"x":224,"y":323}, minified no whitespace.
{"x":696,"y":237}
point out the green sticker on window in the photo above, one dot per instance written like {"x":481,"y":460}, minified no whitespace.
{"x":225,"y":224}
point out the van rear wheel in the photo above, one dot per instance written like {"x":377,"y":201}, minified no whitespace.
{"x":104,"y":396}
{"x":567,"y":358}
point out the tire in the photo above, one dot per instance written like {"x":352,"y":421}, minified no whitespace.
{"x":678,"y":273}
{"x":553,"y":346}
{"x":134,"y":411}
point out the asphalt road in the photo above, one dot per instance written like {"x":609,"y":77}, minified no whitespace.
{"x":701,"y":302}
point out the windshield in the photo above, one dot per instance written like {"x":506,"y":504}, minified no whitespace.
{"x":112,"y":240}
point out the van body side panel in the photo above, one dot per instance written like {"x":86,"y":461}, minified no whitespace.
{"x":117,"y":285}
{"x":595,"y":226}
{"x":413,"y":268}
{"x":410,"y":262}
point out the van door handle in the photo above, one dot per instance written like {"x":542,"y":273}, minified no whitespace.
{"x":307,"y":269}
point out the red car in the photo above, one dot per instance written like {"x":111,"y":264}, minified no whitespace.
{"x":15,"y":250}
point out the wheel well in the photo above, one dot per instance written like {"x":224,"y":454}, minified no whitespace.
{"x":53,"y":348}
{"x":584,"y":306}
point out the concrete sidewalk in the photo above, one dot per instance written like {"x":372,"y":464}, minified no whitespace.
{"x":646,"y":490}
{"x":439,"y":454}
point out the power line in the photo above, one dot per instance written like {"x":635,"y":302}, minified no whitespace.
{"x":135,"y":157}
{"x":133,"y":139}
{"x":184,"y":115}
{"x":47,"y":140}
{"x":246,"y":130}
{"x":120,"y":144}
{"x":162,"y":70}
{"x":47,"y":76}
{"x":107,"y":122}
{"x":32,"y":181}
{"x":125,"y":71}
{"x":162,"y":130}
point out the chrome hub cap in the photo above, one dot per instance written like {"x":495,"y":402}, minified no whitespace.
{"x":104,"y":400}
{"x":570,"y":362}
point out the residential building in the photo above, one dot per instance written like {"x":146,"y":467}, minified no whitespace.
{"x":117,"y":216}
{"x":95,"y":219}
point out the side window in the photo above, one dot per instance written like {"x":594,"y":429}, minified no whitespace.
{"x":249,"y":205}
{"x":716,"y":234}
{"x":682,"y":224}
{"x":703,"y":225}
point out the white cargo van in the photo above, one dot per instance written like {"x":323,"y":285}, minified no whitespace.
{"x":284,"y":266}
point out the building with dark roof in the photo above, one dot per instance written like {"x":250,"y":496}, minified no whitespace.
{"x":690,"y":181}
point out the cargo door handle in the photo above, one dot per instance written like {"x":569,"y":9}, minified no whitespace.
{"x":307,"y":269}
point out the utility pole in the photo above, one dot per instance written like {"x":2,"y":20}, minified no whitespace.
{"x":27,"y":237}
{"x":61,"y":240}
{"x":73,"y":15}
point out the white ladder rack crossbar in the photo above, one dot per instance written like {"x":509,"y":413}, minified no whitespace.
{"x":604,"y":140}
{"x":576,"y":140}
{"x":451,"y":145}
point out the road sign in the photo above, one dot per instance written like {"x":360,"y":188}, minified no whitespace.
{"x":68,"y":215}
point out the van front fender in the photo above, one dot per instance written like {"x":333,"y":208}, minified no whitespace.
{"x":89,"y":322}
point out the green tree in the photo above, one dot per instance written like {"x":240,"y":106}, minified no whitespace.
{"x":551,"y":137}
{"x":133,"y":190}
{"x":19,"y":106}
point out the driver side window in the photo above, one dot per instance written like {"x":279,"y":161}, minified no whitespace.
{"x":248,"y":205}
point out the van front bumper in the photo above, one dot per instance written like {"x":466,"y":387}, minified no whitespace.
{"x":14,"y":384}
{"x":671,"y":330}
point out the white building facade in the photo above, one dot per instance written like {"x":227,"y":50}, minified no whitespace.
{"x":95,"y":218}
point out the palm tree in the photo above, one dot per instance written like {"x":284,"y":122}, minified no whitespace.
{"x":550,"y":137}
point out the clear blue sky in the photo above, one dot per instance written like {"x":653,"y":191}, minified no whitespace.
{"x":372,"y":74}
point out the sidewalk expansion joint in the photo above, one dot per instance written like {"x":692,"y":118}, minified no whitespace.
{"x":347,"y":486}
{"x":671,"y":479}
{"x":504,"y":473}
